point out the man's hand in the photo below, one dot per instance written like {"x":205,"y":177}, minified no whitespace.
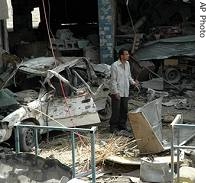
{"x":136,"y":83}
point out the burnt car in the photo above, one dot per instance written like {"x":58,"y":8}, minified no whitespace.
{"x":59,"y":95}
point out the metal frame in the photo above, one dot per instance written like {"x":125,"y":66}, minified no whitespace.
{"x":72,"y":130}
{"x":177,"y":124}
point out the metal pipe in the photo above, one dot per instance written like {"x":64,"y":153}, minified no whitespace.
{"x":72,"y":130}
{"x":178,"y":154}
{"x":54,"y":128}
{"x":184,"y":126}
{"x":36,"y":142}
{"x":17,"y":140}
{"x":83,"y":81}
{"x":73,"y":154}
{"x":88,"y":87}
{"x":175,"y":125}
{"x":176,"y":119}
{"x":93,"y":160}
{"x":185,"y":147}
{"x":178,"y":142}
{"x":61,"y":78}
{"x":172,"y":153}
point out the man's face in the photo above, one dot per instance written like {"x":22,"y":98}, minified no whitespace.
{"x":125,"y":56}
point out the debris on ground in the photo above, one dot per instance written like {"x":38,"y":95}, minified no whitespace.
{"x":25,"y":167}
{"x":122,"y":148}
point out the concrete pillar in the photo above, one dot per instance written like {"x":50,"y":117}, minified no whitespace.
{"x":3,"y":29}
{"x":4,"y":44}
{"x":106,"y":18}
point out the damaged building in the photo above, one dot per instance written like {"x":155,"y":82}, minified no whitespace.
{"x":103,"y":24}
{"x":48,"y":42}
{"x":98,"y":29}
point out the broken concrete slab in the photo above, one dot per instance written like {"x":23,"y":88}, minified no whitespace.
{"x":92,"y":52}
{"x":7,"y":98}
{"x":147,"y":140}
{"x":155,"y":83}
{"x":154,"y":171}
{"x":25,"y":167}
{"x":147,"y":127}
{"x":187,"y":174}
{"x":153,"y":94}
{"x":103,"y":69}
{"x":137,"y":160}
{"x":174,"y":102}
{"x":75,"y":180}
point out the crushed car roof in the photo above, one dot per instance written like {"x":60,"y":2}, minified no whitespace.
{"x":40,"y":65}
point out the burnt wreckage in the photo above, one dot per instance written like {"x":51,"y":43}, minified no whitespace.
{"x":62,"y":89}
{"x":61,"y":97}
{"x":161,"y":42}
{"x":160,"y":35}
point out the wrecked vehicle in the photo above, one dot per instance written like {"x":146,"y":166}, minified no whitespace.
{"x":63,"y":97}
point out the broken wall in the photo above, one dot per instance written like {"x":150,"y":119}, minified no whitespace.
{"x":147,"y":126}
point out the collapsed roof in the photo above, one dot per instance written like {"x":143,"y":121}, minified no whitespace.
{"x":165,"y":48}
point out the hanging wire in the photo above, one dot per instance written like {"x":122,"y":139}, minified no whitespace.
{"x":127,"y":1}
{"x":61,"y":84}
{"x":135,"y":35}
{"x":48,"y":31}
{"x":49,"y":12}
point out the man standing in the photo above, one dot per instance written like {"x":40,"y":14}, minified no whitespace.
{"x":120,"y":82}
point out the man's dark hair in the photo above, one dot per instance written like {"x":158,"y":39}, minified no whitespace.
{"x":121,"y":51}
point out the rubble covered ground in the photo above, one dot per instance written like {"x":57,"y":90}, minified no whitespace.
{"x":160,"y":36}
{"x":57,"y":146}
{"x":118,"y":158}
{"x":108,"y":145}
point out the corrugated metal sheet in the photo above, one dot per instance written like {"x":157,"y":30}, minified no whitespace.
{"x":165,"y":48}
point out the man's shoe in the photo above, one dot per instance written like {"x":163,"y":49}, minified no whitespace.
{"x":113,"y":130}
{"x":126,"y":129}
{"x":124,"y":133}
